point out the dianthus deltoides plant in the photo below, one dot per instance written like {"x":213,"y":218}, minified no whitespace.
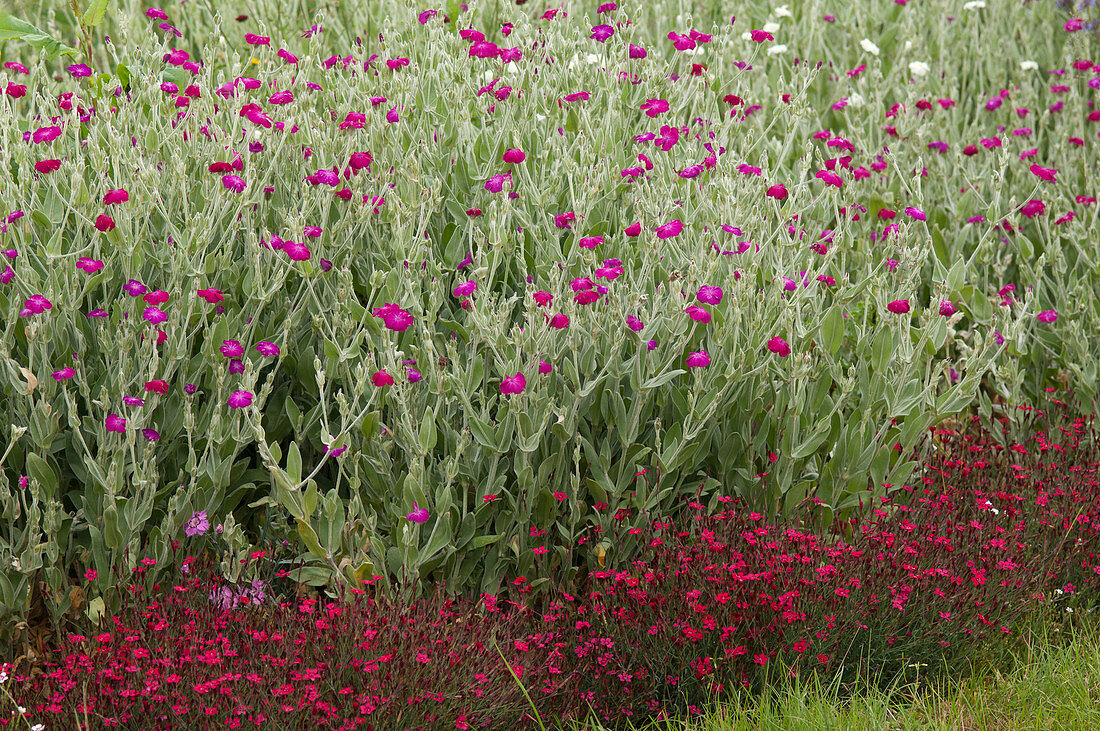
{"x":994,"y":536}
{"x":403,"y":285}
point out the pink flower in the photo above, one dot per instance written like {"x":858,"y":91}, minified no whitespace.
{"x":115,"y":196}
{"x":559,"y":321}
{"x":393,"y":317}
{"x":898,"y":307}
{"x":545,"y":367}
{"x":601,"y":33}
{"x":47,"y":166}
{"x":947,"y":308}
{"x":698,"y":360}
{"x":634,"y":323}
{"x":104,"y":223}
{"x":1033,"y":208}
{"x":239,"y":399}
{"x":267,"y":349}
{"x":779,"y":346}
{"x":45,"y":134}
{"x":213,"y":296}
{"x":231,"y":349}
{"x":760,"y":36}
{"x":637,"y":51}
{"x":234,"y":183}
{"x":915,"y":213}
{"x":381,"y":378}
{"x":698,"y":314}
{"x":1042,"y":173}
{"x":653,"y":107}
{"x":542,"y":298}
{"x":777,"y":191}
{"x":1047,"y":316}
{"x":63,"y":374}
{"x":116,"y":423}
{"x":634,"y":229}
{"x":709,"y":295}
{"x":830,"y":178}
{"x":670,"y":229}
{"x":590,"y":242}
{"x":154,"y":315}
{"x":465,"y":289}
{"x":296,"y":251}
{"x":514,"y":156}
{"x":513,"y":384}
{"x":418,"y":514}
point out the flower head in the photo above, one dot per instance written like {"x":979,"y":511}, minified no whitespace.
{"x":779,"y":346}
{"x":698,"y":360}
{"x":1047,"y":316}
{"x":418,"y":514}
{"x":381,"y":378}
{"x":898,"y":307}
{"x":197,"y":524}
{"x":513,"y":384}
{"x":239,"y":399}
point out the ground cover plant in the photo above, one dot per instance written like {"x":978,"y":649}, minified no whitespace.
{"x":449,"y":295}
{"x":993,"y":539}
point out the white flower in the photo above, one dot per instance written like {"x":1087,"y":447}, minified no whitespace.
{"x":918,"y":68}
{"x":782,"y":12}
{"x":38,"y":727}
{"x":746,"y":36}
{"x":489,"y":75}
{"x":693,"y":51}
{"x":777,"y":49}
{"x":771,"y":27}
{"x":974,"y":5}
{"x":592,"y":58}
{"x":3,"y":677}
{"x":869,"y":47}
{"x":856,"y":100}
{"x":1029,"y":66}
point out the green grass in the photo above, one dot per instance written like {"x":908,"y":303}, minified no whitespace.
{"x":1051,"y":682}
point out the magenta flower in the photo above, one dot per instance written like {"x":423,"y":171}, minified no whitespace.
{"x":104,"y":223}
{"x":495,"y":184}
{"x":653,"y":107}
{"x":465,"y":289}
{"x":267,"y":349}
{"x":231,"y":349}
{"x":154,"y":315}
{"x":1042,"y":173}
{"x":947,"y":308}
{"x":239,"y":399}
{"x":414,"y":375}
{"x":116,"y":423}
{"x":151,"y":435}
{"x":670,"y":229}
{"x":543,"y":298}
{"x":381,"y":378}
{"x":559,"y":321}
{"x":697,"y":360}
{"x":63,"y":374}
{"x":514,"y":156}
{"x":829,"y":178}
{"x":779,"y":346}
{"x":112,"y":197}
{"x":234,"y":183}
{"x":698,"y":314}
{"x":79,"y":70}
{"x":590,"y":242}
{"x":45,"y":134}
{"x":634,"y":229}
{"x":281,"y":97}
{"x":759,"y":36}
{"x":513,"y":384}
{"x":545,"y":367}
{"x":1033,"y":208}
{"x":637,"y":51}
{"x":709,"y":295}
{"x":915,"y":213}
{"x":418,"y":514}
{"x":296,"y":251}
{"x":602,"y":32}
{"x":898,"y":307}
{"x":1047,"y":316}
{"x":634,"y":323}
{"x":777,"y":191}
{"x":393,"y":317}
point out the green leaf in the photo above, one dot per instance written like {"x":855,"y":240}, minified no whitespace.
{"x":427,"y":436}
{"x":832,"y":330}
{"x":309,"y":538}
{"x":95,"y":13}
{"x":14,"y":29}
{"x":660,"y":380}
{"x":43,"y":474}
{"x":294,"y":463}
{"x":816,"y":438}
{"x":483,"y":541}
